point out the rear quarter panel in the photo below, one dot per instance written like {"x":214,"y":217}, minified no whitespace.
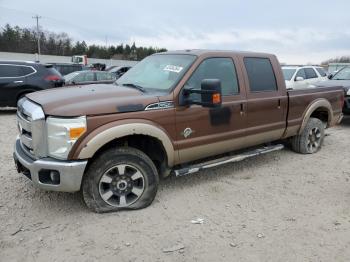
{"x":300,"y":101}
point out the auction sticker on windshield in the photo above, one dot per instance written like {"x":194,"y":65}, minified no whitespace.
{"x":173,"y":68}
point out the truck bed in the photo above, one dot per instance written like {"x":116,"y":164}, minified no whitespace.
{"x":299,"y":101}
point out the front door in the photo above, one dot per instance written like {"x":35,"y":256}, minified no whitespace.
{"x":300,"y":84}
{"x":201,"y":131}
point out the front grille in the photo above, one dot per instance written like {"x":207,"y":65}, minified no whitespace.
{"x":31,"y":125}
{"x":25,"y":130}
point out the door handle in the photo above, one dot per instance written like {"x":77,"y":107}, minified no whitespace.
{"x":18,"y":82}
{"x":279,"y":104}
{"x":242,"y":110}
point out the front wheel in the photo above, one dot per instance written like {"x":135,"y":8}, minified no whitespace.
{"x":311,"y":139}
{"x":123,"y":178}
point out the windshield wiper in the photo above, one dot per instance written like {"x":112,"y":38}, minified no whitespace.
{"x":135,"y":86}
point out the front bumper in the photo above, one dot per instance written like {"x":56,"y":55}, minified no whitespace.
{"x":346,"y":108}
{"x":68,"y":174}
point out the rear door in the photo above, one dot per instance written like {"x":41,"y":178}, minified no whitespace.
{"x":202,"y":132}
{"x":266,"y":101}
{"x":12,"y":80}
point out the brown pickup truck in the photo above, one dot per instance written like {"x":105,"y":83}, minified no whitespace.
{"x":173,"y":113}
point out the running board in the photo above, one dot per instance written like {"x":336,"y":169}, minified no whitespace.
{"x":228,"y":159}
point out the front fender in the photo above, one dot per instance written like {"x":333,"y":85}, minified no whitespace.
{"x":111,"y":131}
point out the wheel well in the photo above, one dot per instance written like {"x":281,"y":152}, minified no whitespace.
{"x":322,"y":114}
{"x":23,"y":93}
{"x":151,"y":146}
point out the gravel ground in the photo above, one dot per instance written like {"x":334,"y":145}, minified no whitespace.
{"x":277,"y":207}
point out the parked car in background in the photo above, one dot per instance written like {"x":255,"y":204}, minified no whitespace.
{"x":335,"y":67}
{"x":118,"y":71}
{"x":89,"y":77}
{"x":67,"y":68}
{"x":341,"y":78}
{"x":299,"y":77}
{"x":18,"y":78}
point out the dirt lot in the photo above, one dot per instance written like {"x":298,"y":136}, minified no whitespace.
{"x":278,"y":207}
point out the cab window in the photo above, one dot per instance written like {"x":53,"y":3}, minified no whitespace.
{"x":260,"y":74}
{"x":301,"y":73}
{"x":310,"y":73}
{"x":103,"y":76}
{"x":84,"y":77}
{"x":216,"y":68}
{"x":321,"y":71}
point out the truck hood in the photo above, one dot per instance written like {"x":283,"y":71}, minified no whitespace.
{"x":92,"y":100}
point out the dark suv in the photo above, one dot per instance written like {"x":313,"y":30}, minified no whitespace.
{"x":18,"y":78}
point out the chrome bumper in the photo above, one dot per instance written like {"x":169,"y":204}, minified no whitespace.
{"x":340,"y":119}
{"x":70,"y":173}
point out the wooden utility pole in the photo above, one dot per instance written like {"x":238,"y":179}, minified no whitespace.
{"x":37,"y":32}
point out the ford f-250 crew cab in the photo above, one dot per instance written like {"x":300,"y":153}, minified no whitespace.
{"x":174,"y":112}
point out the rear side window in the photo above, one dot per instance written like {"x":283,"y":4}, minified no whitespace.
{"x":216,"y":68}
{"x":89,"y":76}
{"x":53,"y":71}
{"x":27,"y":70}
{"x":84,"y":77}
{"x":321,"y":71}
{"x":310,"y":73}
{"x":101,"y":76}
{"x":260,"y":74}
{"x":10,"y":71}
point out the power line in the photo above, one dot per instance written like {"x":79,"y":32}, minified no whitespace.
{"x":60,"y":22}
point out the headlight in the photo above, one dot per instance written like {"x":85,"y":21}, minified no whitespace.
{"x":348,"y":93}
{"x":62,"y":133}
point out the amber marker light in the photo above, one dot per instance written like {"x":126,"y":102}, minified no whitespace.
{"x":216,"y":98}
{"x":76,"y":132}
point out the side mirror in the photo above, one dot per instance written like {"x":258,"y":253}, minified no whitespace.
{"x":210,"y":94}
{"x":330,"y":76}
{"x":299,"y":78}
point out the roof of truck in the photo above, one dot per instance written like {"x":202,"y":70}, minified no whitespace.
{"x":199,"y":52}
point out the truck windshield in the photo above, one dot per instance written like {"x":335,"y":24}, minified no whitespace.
{"x":157,"y":72}
{"x":288,"y":73}
{"x":343,"y":74}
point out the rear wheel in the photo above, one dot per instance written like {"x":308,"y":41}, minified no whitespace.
{"x":123,"y":178}
{"x":311,"y":139}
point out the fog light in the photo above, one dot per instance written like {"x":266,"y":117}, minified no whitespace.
{"x":55,"y":177}
{"x":50,"y":177}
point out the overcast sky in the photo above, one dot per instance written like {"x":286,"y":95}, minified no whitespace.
{"x":298,"y":31}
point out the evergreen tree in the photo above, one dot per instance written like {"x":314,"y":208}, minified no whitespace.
{"x":24,"y":40}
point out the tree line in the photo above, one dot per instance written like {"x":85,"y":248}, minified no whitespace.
{"x":24,"y":40}
{"x":341,"y":59}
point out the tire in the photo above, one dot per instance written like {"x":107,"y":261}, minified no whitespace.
{"x":119,"y":179}
{"x":311,"y":139}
